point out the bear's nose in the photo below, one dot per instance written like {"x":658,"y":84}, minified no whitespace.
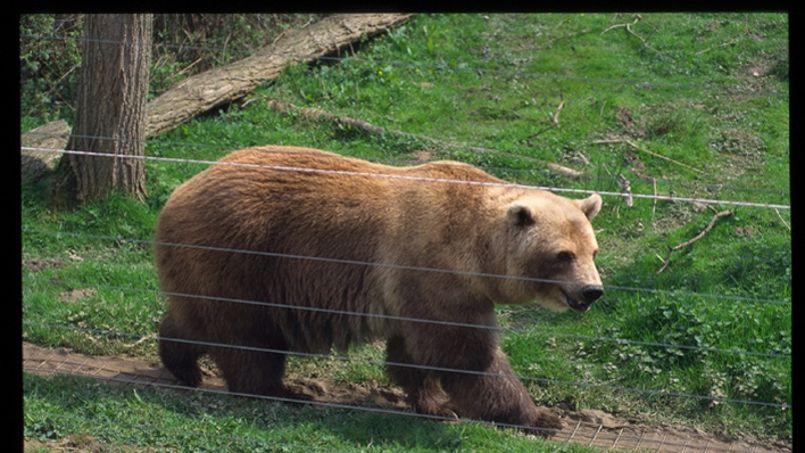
{"x":591,"y":293}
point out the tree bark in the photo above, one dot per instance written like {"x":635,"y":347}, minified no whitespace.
{"x":110,"y":110}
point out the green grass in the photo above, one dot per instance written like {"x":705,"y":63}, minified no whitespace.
{"x":495,"y":82}
{"x":146,"y":417}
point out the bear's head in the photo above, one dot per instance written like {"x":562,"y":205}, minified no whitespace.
{"x":551,"y":245}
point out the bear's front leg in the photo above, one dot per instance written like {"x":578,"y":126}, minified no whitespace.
{"x":489,"y":390}
{"x":499,"y":396}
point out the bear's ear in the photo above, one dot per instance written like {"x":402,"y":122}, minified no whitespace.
{"x":590,"y":206}
{"x":520,"y":215}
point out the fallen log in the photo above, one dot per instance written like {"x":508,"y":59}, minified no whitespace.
{"x":371,"y":129}
{"x":34,"y":165}
{"x":202,"y":92}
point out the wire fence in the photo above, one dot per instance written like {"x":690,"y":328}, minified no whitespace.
{"x":405,"y":267}
{"x":491,"y":327}
{"x":110,"y":333}
{"x":441,"y":66}
{"x":535,"y":169}
{"x":411,"y":178}
{"x":575,"y":434}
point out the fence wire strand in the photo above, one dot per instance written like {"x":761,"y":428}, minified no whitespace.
{"x":459,"y":146}
{"x":377,"y":410}
{"x":287,"y":168}
{"x":495,"y":328}
{"x":109,"y":333}
{"x":397,"y":266}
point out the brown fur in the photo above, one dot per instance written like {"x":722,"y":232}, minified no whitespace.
{"x":427,"y":224}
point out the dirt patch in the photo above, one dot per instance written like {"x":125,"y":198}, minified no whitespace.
{"x":37,"y":264}
{"x":590,"y":427}
{"x":77,"y":442}
{"x":737,"y":141}
{"x":423,"y":155}
{"x":76,"y":294}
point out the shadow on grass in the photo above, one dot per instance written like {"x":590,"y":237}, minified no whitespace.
{"x":72,"y":402}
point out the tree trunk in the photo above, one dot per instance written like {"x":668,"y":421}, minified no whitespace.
{"x":110,"y":110}
{"x":204,"y":91}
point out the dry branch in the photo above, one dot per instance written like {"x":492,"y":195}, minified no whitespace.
{"x":787,"y":226}
{"x":628,"y":27}
{"x":555,"y":117}
{"x":626,"y":186}
{"x":321,"y":115}
{"x":654,"y":205}
{"x":202,"y":92}
{"x":690,"y":241}
{"x":637,"y":147}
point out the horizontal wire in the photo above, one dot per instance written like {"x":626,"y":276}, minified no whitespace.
{"x":345,"y":358}
{"x":377,"y":410}
{"x":494,"y":328}
{"x":399,"y":161}
{"x":406,"y":177}
{"x":397,"y":266}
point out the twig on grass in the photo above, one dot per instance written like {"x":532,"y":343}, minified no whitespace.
{"x":701,"y":234}
{"x":628,"y":27}
{"x":640,"y":148}
{"x":728,"y":43}
{"x":782,"y":220}
{"x":371,"y":129}
{"x":625,"y":24}
{"x":150,"y":336}
{"x":654,"y":205}
{"x":626,"y":186}
{"x":555,"y":117}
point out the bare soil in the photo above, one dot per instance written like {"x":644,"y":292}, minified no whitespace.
{"x":589,"y":427}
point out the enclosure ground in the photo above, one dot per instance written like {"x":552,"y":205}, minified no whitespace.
{"x":587,"y":427}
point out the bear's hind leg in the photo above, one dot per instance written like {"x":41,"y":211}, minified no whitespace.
{"x":423,"y":389}
{"x":254,"y":372}
{"x":180,"y":358}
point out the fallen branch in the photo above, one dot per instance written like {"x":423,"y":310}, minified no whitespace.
{"x":626,"y":24}
{"x":142,"y":340}
{"x":204,"y":91}
{"x":654,"y":205}
{"x":701,"y":234}
{"x":637,"y":147}
{"x":782,"y":220}
{"x":626,"y":186}
{"x":371,"y":129}
{"x":728,"y":43}
{"x":35,"y":165}
{"x":555,"y":117}
{"x":628,"y":27}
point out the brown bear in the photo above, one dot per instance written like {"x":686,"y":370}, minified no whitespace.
{"x":372,"y":245}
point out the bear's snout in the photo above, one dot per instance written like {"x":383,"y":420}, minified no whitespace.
{"x":591,"y":293}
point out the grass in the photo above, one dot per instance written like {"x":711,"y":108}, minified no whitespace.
{"x":692,"y":96}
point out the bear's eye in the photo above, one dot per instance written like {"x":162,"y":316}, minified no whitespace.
{"x":564,"y":256}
